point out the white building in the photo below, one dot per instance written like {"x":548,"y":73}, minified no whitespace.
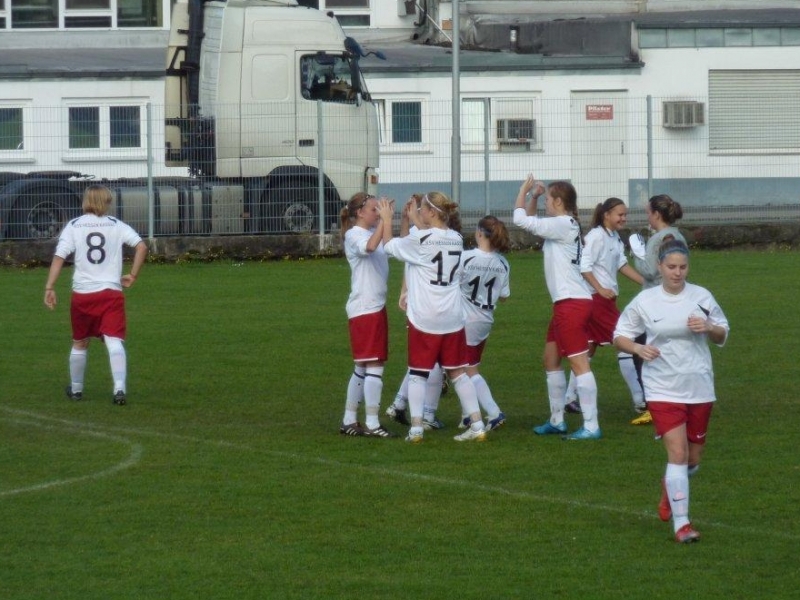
{"x":622,"y":97}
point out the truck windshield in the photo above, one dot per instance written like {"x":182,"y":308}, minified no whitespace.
{"x":328,"y":77}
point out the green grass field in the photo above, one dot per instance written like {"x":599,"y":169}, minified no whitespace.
{"x":225,"y":476}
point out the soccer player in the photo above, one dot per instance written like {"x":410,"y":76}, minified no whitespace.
{"x":432,"y":254}
{"x":678,"y":319}
{"x":98,"y":304}
{"x":662,"y":214}
{"x":568,"y":332}
{"x":602,"y":258}
{"x":484,"y":283}
{"x":362,"y":230}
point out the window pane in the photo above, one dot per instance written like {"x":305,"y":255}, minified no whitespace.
{"x":327,"y":77}
{"x":346,"y":3}
{"x":11,"y":129}
{"x":406,"y":122}
{"x":34,"y":13}
{"x":84,"y":127}
{"x":87,"y":4}
{"x":100,"y":22}
{"x":125,"y":127}
{"x":139,"y":13}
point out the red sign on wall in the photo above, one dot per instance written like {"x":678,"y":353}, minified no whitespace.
{"x":599,"y":112}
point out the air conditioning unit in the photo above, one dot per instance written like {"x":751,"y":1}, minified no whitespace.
{"x":516,"y":134}
{"x":680,"y":114}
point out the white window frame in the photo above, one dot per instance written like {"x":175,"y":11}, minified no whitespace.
{"x":500,"y":107}
{"x":384,"y":108}
{"x":24,"y":154}
{"x":112,"y":11}
{"x":365,"y":11}
{"x":105,"y":152}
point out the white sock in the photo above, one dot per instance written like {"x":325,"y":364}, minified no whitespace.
{"x":401,"y":398}
{"x":485,"y":398}
{"x":355,"y":392}
{"x":416,"y":395}
{"x":628,"y":370}
{"x":556,"y":388}
{"x":587,"y":394}
{"x":373,"y":386}
{"x":676,"y":480}
{"x":469,"y":399}
{"x":77,"y":368}
{"x":118,"y":361}
{"x":433,"y":393}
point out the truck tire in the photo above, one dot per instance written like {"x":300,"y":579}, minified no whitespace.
{"x":41,"y":210}
{"x":291,"y":210}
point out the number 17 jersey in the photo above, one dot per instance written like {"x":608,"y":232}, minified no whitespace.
{"x":433,"y":258}
{"x":97,"y":243}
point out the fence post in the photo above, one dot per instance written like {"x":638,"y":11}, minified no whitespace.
{"x":320,"y":174}
{"x":649,"y":146}
{"x":486,"y":174}
{"x":151,"y":201}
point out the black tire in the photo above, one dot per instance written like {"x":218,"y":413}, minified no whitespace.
{"x":290,"y":210}
{"x":40,"y":217}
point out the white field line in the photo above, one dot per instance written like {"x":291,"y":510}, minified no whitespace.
{"x":101,"y":431}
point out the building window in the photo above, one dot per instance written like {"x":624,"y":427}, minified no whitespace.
{"x":402,"y":124}
{"x":84,"y":14}
{"x":512,"y":124}
{"x":754,"y":111}
{"x":349,"y":13}
{"x":84,"y":127}
{"x":11,"y":130}
{"x":406,"y":122}
{"x":105,"y":127}
{"x":125,"y":127}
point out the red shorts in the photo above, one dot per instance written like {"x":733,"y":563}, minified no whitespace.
{"x":426,"y":349}
{"x":98,"y":314}
{"x":569,"y":326}
{"x":474,"y":354}
{"x":605,"y":315}
{"x":369,"y":336}
{"x":669,"y":415}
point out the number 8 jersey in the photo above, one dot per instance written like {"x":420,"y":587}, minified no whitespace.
{"x":433,"y":258}
{"x":97,"y":243}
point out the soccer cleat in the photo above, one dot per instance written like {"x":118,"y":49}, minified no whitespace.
{"x":548,"y":428}
{"x":643,"y":419}
{"x":397,"y":415}
{"x":445,"y":386}
{"x":573,"y":407}
{"x":664,"y":509}
{"x":464,"y":423}
{"x":414,"y":438}
{"x":496,"y":422}
{"x":584,"y":434}
{"x":434,"y":423}
{"x":379,"y":431}
{"x":77,"y":396}
{"x":119,"y":398}
{"x":687,"y":535}
{"x":351,"y":429}
{"x":471,"y":435}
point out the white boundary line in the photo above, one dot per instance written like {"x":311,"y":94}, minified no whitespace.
{"x":101,"y":431}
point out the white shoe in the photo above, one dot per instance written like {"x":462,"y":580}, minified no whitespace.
{"x":471,"y":435}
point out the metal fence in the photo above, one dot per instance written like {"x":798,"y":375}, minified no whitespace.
{"x":252,"y":169}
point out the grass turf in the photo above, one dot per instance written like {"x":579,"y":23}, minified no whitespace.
{"x":225,"y":476}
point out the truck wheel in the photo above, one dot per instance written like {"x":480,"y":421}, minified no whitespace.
{"x":37,"y":219}
{"x":298,"y":217}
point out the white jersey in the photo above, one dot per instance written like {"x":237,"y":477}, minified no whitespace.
{"x":683,"y":372}
{"x":433,"y":259}
{"x":484,"y":280}
{"x":98,"y":246}
{"x":562,"y":253}
{"x":369,"y":272}
{"x":603,"y":255}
